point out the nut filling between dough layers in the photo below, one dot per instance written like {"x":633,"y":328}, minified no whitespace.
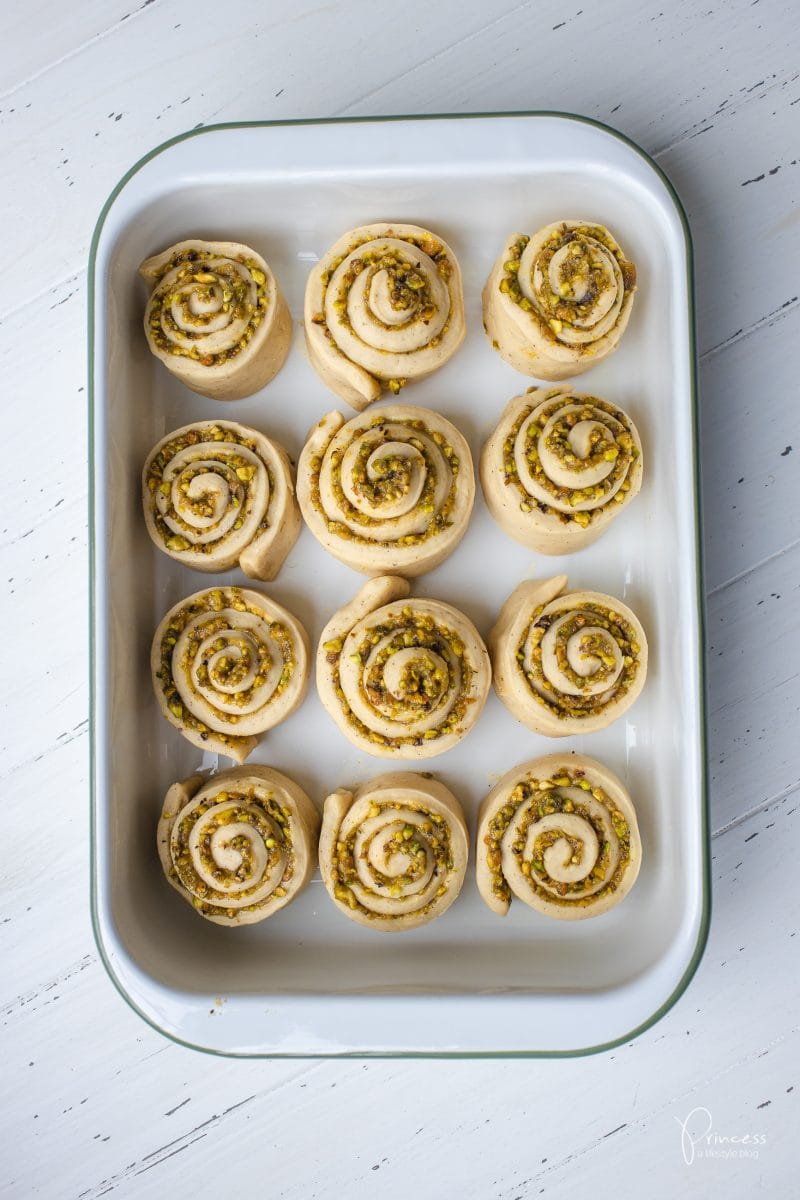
{"x":391,"y":860}
{"x":408,"y":669}
{"x":229,"y":664}
{"x":388,"y":472}
{"x":204,"y":485}
{"x":394,"y":289}
{"x":566,"y":436}
{"x":232,"y":852}
{"x":576,"y":662}
{"x":570,"y":842}
{"x":402,"y":677}
{"x":574,"y":284}
{"x":207,"y":307}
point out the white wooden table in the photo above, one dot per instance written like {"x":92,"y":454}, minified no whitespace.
{"x":93,"y":1101}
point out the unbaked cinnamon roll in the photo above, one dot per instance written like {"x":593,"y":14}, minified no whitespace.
{"x":240,"y":845}
{"x":393,"y":853}
{"x":566,"y":662}
{"x":383,"y":307}
{"x":227,"y":665}
{"x":560,"y":834}
{"x":216,"y":317}
{"x":402,"y":677}
{"x":389,"y":491}
{"x":216,"y":494}
{"x":558,"y":302}
{"x":559,"y":468}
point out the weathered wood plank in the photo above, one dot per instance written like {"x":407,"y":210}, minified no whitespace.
{"x":59,"y":32}
{"x":98,"y":1104}
{"x":754,"y":670}
{"x":750,"y":450}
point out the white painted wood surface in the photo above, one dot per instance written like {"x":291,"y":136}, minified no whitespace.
{"x":93,"y":1101}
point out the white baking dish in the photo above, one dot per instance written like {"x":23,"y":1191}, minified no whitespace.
{"x":309,"y":982}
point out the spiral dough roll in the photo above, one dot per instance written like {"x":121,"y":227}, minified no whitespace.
{"x":240,"y":845}
{"x":390,"y":491}
{"x":558,"y":302}
{"x":560,"y":834}
{"x":393,"y":853}
{"x":566,"y":662}
{"x":384,"y":306}
{"x":227,"y":665}
{"x":401,"y":677}
{"x":216,"y":317}
{"x":559,"y":467}
{"x":217,"y":494}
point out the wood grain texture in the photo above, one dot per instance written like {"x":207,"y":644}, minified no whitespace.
{"x":714,"y":95}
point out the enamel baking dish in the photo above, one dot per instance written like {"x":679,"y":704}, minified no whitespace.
{"x":308,"y":982}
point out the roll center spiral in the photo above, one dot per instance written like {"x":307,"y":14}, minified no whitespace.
{"x":578,"y":658}
{"x":234,"y":853}
{"x":226,"y":665}
{"x":231,"y":667}
{"x":394,"y":303}
{"x":208,"y":495}
{"x":567,"y":846}
{"x":394,"y":861}
{"x":205,"y":300}
{"x":418,"y":677}
{"x":237,"y":849}
{"x":391,"y":301}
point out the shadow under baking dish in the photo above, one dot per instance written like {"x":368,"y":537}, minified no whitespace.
{"x":308,"y":981}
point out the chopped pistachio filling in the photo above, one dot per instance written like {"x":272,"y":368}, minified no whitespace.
{"x":236,"y":471}
{"x":553,"y":310}
{"x":415,"y":842}
{"x":614,"y":444}
{"x":533,"y":799}
{"x":427,"y":681}
{"x":562,"y":704}
{"x":271,"y":825}
{"x":393,"y":482}
{"x":214,"y":286}
{"x":409,"y":292}
{"x":224,"y":671}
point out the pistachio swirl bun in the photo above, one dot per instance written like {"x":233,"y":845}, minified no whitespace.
{"x":558,"y":302}
{"x":393,"y":853}
{"x":217,"y":494}
{"x":560,"y":834}
{"x":216,"y":317}
{"x":240,"y":845}
{"x":566,"y":662}
{"x":402,"y":677}
{"x":389,"y":491}
{"x":227,"y":665}
{"x":383,"y":307}
{"x":559,"y":467}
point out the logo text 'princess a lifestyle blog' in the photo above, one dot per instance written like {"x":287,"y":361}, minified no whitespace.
{"x":700,"y":1140}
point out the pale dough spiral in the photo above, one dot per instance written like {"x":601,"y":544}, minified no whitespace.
{"x":559,"y":467}
{"x":560,"y":834}
{"x":240,"y":845}
{"x":389,"y":491}
{"x":558,"y":302}
{"x":566,"y":662}
{"x":216,"y":317}
{"x":383,"y":306}
{"x":216,"y":494}
{"x":393,"y":853}
{"x":401,"y":677}
{"x":227,"y":665}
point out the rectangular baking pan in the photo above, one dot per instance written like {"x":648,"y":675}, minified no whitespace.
{"x":309,"y":982}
